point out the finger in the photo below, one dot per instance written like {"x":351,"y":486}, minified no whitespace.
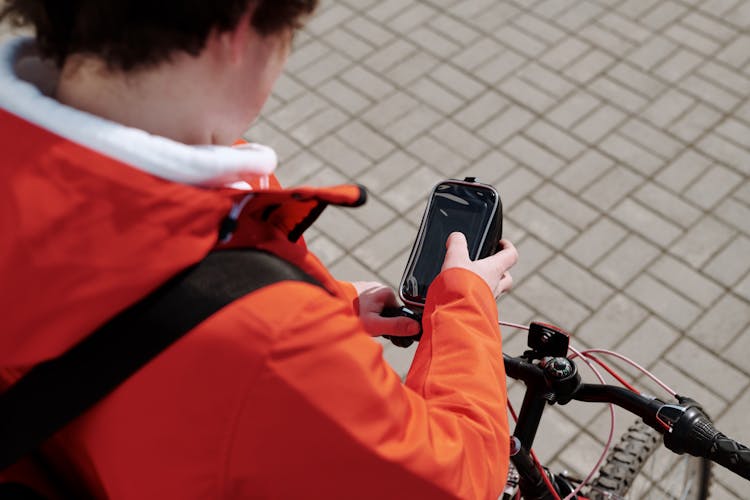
{"x":505,"y":258}
{"x":400,"y":326}
{"x":384,"y":296}
{"x":504,"y":285}
{"x":457,"y":251}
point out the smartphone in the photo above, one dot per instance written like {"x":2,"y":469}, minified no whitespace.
{"x":466,"y":206}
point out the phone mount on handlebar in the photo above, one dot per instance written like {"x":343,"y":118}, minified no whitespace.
{"x":546,"y":340}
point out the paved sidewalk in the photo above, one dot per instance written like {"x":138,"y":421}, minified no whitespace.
{"x":618,"y":134}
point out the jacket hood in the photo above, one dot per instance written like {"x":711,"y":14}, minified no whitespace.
{"x":27,"y":83}
{"x":94,"y":215}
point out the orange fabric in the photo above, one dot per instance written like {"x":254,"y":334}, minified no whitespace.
{"x":279,"y":395}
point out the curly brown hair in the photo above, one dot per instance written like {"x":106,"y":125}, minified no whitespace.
{"x":130,"y":34}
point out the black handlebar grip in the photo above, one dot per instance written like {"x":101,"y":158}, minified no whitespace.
{"x":695,"y":434}
{"x":731,"y":454}
{"x":392,"y":312}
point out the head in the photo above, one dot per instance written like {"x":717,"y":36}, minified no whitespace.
{"x":133,"y":34}
{"x":218,"y":58}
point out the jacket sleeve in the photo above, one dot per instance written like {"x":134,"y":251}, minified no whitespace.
{"x":327,"y":417}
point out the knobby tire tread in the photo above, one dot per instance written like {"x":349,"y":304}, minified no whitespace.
{"x":627,"y":458}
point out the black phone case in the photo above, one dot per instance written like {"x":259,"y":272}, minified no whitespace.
{"x":489,"y":247}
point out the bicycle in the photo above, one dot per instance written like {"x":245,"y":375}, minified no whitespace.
{"x":551,"y":377}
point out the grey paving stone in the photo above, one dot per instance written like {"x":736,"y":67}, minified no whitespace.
{"x":522,"y":92}
{"x":610,"y":323}
{"x":595,"y":241}
{"x":566,"y":206}
{"x":390,"y":54}
{"x":316,"y":127}
{"x":736,"y":53}
{"x":582,"y":171}
{"x":646,"y":344}
{"x":691,"y":357}
{"x":625,"y":27}
{"x":336,"y":152}
{"x":492,"y":169}
{"x":524,"y":151}
{"x":683,"y":170}
{"x":463,"y":142}
{"x":663,"y":301}
{"x":377,"y":250}
{"x":709,"y":93}
{"x":609,"y":189}
{"x":589,"y":66}
{"x":651,"y":138}
{"x":628,"y":153}
{"x":576,"y":281}
{"x":508,"y":123}
{"x":663,"y":15}
{"x":695,"y":122}
{"x":326,"y":249}
{"x":552,"y":304}
{"x":734,"y":213}
{"x":479,"y":110}
{"x":609,"y":41}
{"x":737,"y":351}
{"x":701,"y":241}
{"x":627,"y":260}
{"x":667,"y":204}
{"x":651,"y":53}
{"x":409,"y":126}
{"x":535,"y":254}
{"x":412,"y":189}
{"x":692,"y":38}
{"x":555,"y":139}
{"x":437,"y":96}
{"x":686,"y":280}
{"x":718,"y":326}
{"x":343,"y":96}
{"x":598,"y":124}
{"x":365,"y":140}
{"x":730,"y":264}
{"x":667,"y":108}
{"x":388,"y":171}
{"x":547,"y":226}
{"x":641,"y":82}
{"x":497,"y":68}
{"x":438,"y":156}
{"x":646,"y":223}
{"x":709,"y":26}
{"x":613,"y":91}
{"x":680,"y":64}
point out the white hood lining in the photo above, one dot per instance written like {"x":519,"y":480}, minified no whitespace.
{"x":208,"y":165}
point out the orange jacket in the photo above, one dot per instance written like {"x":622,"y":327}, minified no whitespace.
{"x":279,"y":395}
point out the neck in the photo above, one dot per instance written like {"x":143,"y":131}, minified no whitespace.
{"x":168,"y":100}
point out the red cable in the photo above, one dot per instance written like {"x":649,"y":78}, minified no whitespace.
{"x":537,"y":463}
{"x":612,"y":372}
{"x":541,"y":470}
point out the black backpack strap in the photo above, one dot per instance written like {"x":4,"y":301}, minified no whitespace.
{"x":55,"y":392}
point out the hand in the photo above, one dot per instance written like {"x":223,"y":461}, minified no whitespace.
{"x":493,"y":269}
{"x":373,"y":297}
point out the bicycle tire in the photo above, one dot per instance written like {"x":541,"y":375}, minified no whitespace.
{"x":626,"y":466}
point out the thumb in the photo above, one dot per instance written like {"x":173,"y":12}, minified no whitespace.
{"x":457,"y":252}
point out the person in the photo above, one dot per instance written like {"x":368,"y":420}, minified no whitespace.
{"x":119,"y":168}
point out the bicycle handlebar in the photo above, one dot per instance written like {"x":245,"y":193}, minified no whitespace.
{"x":692,"y":432}
{"x":685,"y":427}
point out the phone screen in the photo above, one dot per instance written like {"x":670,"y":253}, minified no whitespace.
{"x":465,"y":208}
